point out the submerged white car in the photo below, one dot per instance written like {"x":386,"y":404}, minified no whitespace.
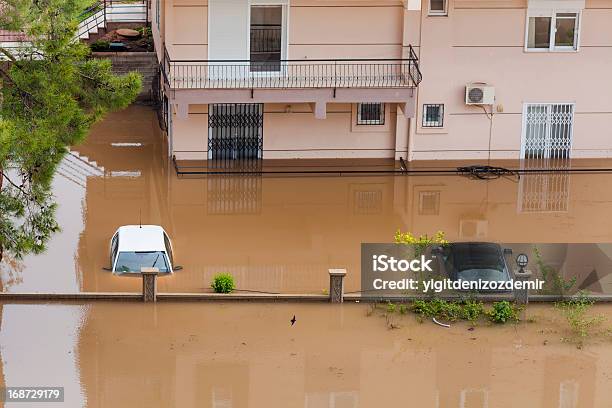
{"x":134,"y":247}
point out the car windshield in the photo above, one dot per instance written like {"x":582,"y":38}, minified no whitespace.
{"x":471,"y":256}
{"x":134,"y":261}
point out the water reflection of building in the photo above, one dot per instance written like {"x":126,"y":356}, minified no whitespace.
{"x":548,"y":191}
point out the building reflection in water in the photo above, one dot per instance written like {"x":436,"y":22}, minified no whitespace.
{"x":548,"y":191}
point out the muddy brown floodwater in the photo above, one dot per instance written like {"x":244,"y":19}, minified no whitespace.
{"x":282,"y":234}
{"x":248,"y":355}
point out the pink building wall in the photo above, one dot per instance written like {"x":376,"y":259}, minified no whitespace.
{"x":483,"y":41}
{"x":479,"y":41}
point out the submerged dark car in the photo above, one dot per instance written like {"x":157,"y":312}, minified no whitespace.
{"x":474,"y":261}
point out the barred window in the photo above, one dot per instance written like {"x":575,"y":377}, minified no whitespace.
{"x":433,"y":115}
{"x":371,"y":114}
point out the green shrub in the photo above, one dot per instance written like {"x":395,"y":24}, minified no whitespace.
{"x":100,"y":45}
{"x":403,"y":309}
{"x":438,"y":308}
{"x":390,"y":307}
{"x":472,"y":310}
{"x":504,"y":312}
{"x":576,"y":313}
{"x":223,"y":283}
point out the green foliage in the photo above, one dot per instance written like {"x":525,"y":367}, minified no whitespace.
{"x":438,"y":308}
{"x":504,"y":312}
{"x":403,"y":309}
{"x":576,"y":313}
{"x":100,"y":45}
{"x":472,"y":310}
{"x":145,"y":31}
{"x":391,"y":307}
{"x":554,"y":283}
{"x":51,"y":92}
{"x":223,"y":283}
{"x":420,"y":243}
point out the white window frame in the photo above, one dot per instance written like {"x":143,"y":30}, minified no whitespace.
{"x":285,"y":33}
{"x":524,"y":124}
{"x":431,"y":12}
{"x":439,"y":124}
{"x":552,"y":14}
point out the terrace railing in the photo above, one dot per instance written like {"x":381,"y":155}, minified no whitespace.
{"x":291,"y":74}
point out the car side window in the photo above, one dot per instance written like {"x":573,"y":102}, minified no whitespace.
{"x":168,"y":248}
{"x":114,"y":247}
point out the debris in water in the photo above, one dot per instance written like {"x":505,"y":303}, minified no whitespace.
{"x":293,"y":320}
{"x":440,"y":324}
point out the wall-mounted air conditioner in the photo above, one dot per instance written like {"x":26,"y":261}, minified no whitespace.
{"x":479,"y":94}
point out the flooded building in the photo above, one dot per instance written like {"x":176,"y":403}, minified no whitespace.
{"x":430,"y":79}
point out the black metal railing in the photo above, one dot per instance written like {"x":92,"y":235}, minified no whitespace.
{"x":328,"y":73}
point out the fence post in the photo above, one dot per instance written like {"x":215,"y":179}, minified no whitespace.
{"x":149,"y":284}
{"x":521,"y":296}
{"x":336,"y":285}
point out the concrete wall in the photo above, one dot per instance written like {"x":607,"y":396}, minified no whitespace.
{"x":291,"y":131}
{"x":483,"y":41}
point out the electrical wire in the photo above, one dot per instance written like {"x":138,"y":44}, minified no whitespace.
{"x":480,"y":172}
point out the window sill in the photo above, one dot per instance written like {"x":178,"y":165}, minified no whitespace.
{"x":550,"y":51}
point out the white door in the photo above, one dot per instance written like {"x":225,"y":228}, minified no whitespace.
{"x":547,"y":131}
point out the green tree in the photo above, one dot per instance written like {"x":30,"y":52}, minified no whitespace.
{"x":51,"y":92}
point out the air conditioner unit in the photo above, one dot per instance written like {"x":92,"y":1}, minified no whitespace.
{"x":473,"y":229}
{"x":479,"y":94}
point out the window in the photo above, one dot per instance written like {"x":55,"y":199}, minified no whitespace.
{"x":438,"y":8}
{"x":134,"y":261}
{"x":266,"y":38}
{"x":371,"y":114}
{"x":552,"y":31}
{"x":547,"y":130}
{"x":433,"y":115}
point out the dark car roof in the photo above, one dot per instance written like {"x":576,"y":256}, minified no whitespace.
{"x":476,"y":255}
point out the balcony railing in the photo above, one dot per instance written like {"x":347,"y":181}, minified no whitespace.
{"x":294,"y":74}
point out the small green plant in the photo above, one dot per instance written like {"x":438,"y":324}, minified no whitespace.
{"x":145,"y":31}
{"x":504,"y":312}
{"x":100,"y":45}
{"x":575,"y":312}
{"x":438,"y":308}
{"x":223,"y":283}
{"x":472,"y":310}
{"x":554,"y":283}
{"x":403,"y":309}
{"x":391,"y":307}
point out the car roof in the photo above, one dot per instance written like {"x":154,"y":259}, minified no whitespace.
{"x":141,"y":238}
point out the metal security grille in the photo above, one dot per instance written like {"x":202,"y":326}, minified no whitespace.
{"x":371,"y":114}
{"x":433,"y":115}
{"x":548,"y":131}
{"x":235,"y":133}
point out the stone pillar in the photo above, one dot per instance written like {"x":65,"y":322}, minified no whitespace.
{"x":521,"y":296}
{"x":336,"y":285}
{"x":149,"y":284}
